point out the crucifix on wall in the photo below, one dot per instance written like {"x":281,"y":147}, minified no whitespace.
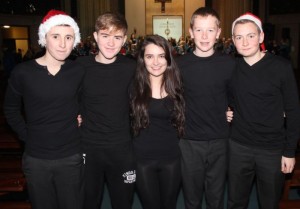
{"x":163,"y":2}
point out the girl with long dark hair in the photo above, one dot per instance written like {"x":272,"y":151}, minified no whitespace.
{"x":157,"y":115}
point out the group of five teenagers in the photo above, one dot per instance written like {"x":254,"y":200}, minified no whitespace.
{"x":157,"y":113}
{"x":105,"y":129}
{"x":204,"y":146}
{"x":48,"y":89}
{"x":265,"y":129}
{"x":162,"y":115}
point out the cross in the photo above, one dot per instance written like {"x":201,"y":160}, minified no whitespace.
{"x":163,"y":2}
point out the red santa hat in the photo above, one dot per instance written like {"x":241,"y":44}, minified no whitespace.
{"x":54,"y":18}
{"x":253,"y":18}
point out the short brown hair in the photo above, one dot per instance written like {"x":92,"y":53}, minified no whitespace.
{"x":204,"y":12}
{"x":111,"y":20}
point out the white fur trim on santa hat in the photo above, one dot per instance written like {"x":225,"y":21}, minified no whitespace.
{"x":248,"y":16}
{"x":54,"y":21}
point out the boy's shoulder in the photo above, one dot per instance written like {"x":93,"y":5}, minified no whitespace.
{"x":25,"y":67}
{"x":85,"y":60}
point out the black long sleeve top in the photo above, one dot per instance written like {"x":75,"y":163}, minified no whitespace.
{"x":206,"y":83}
{"x":49,"y":124}
{"x":159,"y":140}
{"x":263,"y":93}
{"x":105,"y":100}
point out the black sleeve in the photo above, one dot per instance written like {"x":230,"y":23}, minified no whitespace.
{"x":230,"y":90}
{"x":13,"y":112}
{"x":292,"y":112}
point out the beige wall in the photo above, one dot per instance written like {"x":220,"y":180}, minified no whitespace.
{"x":136,"y":16}
{"x":139,"y":13}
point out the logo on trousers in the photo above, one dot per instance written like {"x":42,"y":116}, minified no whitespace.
{"x":129,"y":177}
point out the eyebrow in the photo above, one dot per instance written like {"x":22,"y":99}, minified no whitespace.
{"x":246,"y":34}
{"x":158,"y":54}
{"x":107,"y":34}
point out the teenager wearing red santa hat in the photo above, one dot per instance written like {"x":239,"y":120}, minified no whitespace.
{"x":48,"y":86}
{"x":261,"y":145}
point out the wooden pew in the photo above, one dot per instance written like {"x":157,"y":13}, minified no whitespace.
{"x":15,"y":205}
{"x":9,"y":141}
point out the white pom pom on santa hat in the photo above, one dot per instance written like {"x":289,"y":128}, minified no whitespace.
{"x":54,"y":18}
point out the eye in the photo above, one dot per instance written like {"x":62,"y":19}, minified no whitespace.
{"x":55,"y":36}
{"x":148,"y":56}
{"x":162,"y":56}
{"x":237,"y":38}
{"x":69,"y":37}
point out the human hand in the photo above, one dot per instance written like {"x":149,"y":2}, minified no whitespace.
{"x":229,"y":115}
{"x":287,"y":164}
{"x":79,"y":119}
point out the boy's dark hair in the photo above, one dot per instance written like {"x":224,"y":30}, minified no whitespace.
{"x":204,"y":12}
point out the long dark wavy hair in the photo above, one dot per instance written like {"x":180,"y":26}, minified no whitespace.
{"x":141,"y":88}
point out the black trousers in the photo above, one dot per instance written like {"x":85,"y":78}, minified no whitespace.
{"x":114,"y":165}
{"x":203,"y":170}
{"x":158,"y":183}
{"x":246,"y":163}
{"x":54,"y":184}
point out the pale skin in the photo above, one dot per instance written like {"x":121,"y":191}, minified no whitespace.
{"x":247,"y":39}
{"x":59,"y":45}
{"x":110,"y":42}
{"x":205,"y":32}
{"x":156,"y":65}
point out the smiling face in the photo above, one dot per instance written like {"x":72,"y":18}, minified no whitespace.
{"x":155,"y":61}
{"x":109,"y":43}
{"x":247,"y":39}
{"x":59,"y":42}
{"x":205,"y":32}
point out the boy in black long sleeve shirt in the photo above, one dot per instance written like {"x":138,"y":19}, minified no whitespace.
{"x":105,"y":113}
{"x":204,"y":147}
{"x":48,"y":87}
{"x":264,"y":91}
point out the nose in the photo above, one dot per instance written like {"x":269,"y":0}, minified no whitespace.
{"x":62,"y":42}
{"x":204,"y":35}
{"x":111,"y":41}
{"x":155,"y":61}
{"x":245,"y":41}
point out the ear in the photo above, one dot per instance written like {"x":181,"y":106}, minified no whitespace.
{"x":125,"y":38}
{"x":232,"y":38}
{"x":261,"y":37}
{"x":95,"y":34}
{"x":191,"y":32}
{"x":219,"y":33}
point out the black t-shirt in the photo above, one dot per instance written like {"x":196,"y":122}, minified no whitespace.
{"x":206,"y":82}
{"x":159,"y":140}
{"x":50,"y":130}
{"x":105,"y":100}
{"x":263,"y":93}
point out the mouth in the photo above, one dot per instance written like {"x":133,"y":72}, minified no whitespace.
{"x":204,"y":43}
{"x":110,"y":49}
